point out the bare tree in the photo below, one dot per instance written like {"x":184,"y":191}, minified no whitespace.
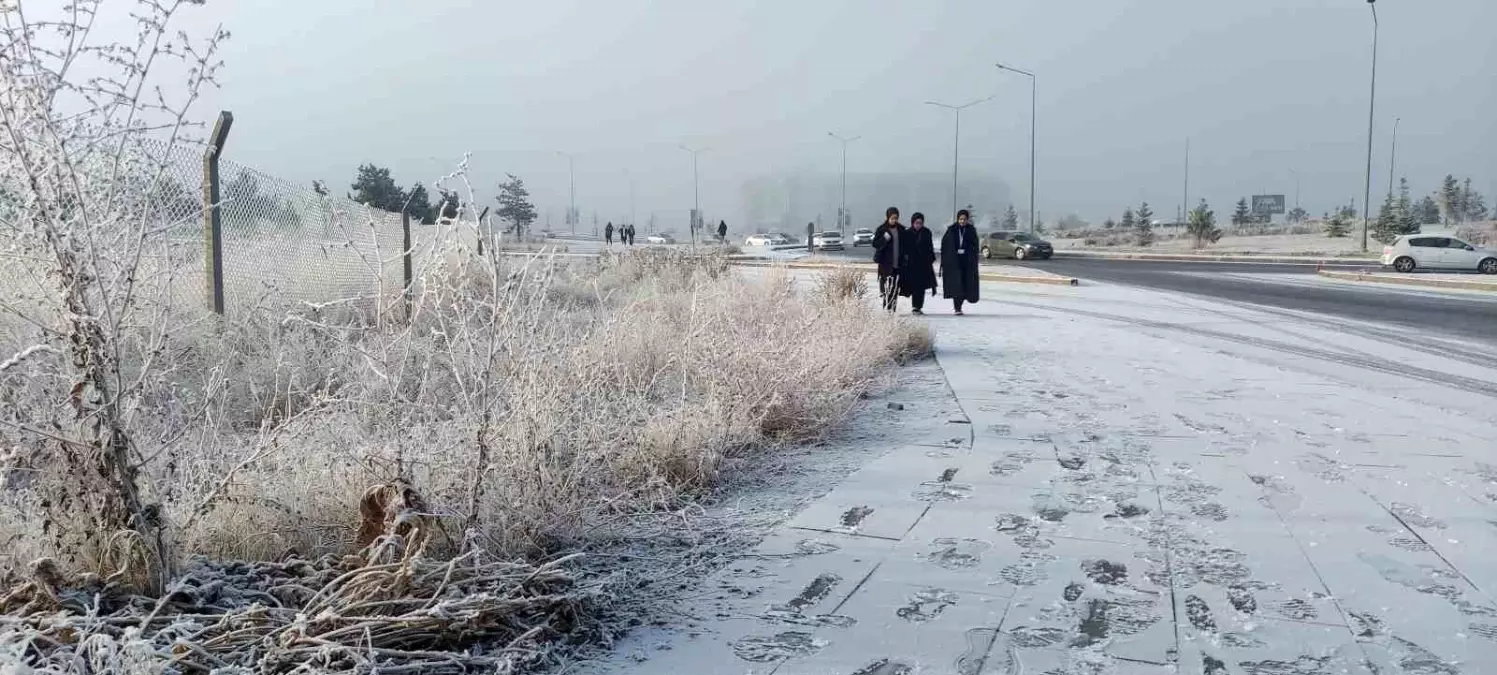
{"x":85,"y":159}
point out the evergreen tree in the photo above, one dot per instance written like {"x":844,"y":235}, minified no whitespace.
{"x":1202,"y":225}
{"x":1385,"y":229}
{"x":418,"y":205}
{"x":1473,"y":205}
{"x":1408,"y":218}
{"x":448,"y":205}
{"x":1297,"y":215}
{"x":1428,"y":212}
{"x":1010,"y":219}
{"x":1241,"y":216}
{"x":514,"y":205}
{"x":320,"y":188}
{"x":1128,"y":221}
{"x":1109,"y":224}
{"x":373,"y":187}
{"x":1450,"y":200}
{"x":1143,"y":225}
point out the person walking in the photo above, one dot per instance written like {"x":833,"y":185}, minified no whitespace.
{"x":918,"y":276}
{"x":608,"y":233}
{"x":722,"y":231}
{"x":887,"y":242}
{"x":629,"y":233}
{"x":959,"y":261}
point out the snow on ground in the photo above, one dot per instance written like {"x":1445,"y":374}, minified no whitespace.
{"x":1129,"y":481}
{"x":1316,"y":243}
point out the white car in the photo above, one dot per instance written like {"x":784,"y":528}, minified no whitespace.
{"x":828,"y":241}
{"x":1421,"y":251}
{"x":661,"y":238}
{"x":756,"y":240}
{"x":863,"y":237}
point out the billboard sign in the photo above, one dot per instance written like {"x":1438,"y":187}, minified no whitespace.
{"x":1268,"y":205}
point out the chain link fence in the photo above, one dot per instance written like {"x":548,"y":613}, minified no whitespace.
{"x":282,"y":243}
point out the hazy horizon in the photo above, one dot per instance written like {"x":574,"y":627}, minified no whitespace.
{"x":1265,"y":92}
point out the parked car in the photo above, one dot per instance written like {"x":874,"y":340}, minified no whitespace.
{"x":862,"y":237}
{"x":1413,"y":251}
{"x":1016,"y":245}
{"x":756,"y":240}
{"x":662,"y":238}
{"x":828,"y":241}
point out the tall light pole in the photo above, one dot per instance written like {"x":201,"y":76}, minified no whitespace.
{"x":1033,"y":107}
{"x":696,"y":191}
{"x":1185,"y":197}
{"x":843,"y":210}
{"x":1393,"y":156}
{"x":572,"y":205}
{"x":1371,"y":107}
{"x":957,"y":143}
{"x":630,"y":174}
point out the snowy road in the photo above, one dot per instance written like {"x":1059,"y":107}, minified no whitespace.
{"x":1134,"y":481}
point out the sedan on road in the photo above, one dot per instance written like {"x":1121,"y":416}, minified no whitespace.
{"x":662,"y":239}
{"x":1412,"y":251}
{"x":863,"y":237}
{"x":1016,"y":245}
{"x":828,"y":241}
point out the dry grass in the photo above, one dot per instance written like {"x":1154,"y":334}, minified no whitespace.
{"x":526,"y":401}
{"x":842,"y":284}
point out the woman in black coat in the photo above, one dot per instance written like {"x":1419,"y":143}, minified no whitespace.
{"x":919,"y":274}
{"x":959,"y":261}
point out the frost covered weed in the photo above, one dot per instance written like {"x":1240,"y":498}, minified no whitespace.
{"x":385,"y":480}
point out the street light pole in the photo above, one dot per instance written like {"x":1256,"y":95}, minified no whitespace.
{"x":696,"y":190}
{"x":957,"y":144}
{"x":1033,"y":108}
{"x":572,"y":205}
{"x":1393,"y":156}
{"x":843,"y":210}
{"x":1371,"y":107}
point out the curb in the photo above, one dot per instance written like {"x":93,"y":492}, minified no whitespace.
{"x":1182,"y":257}
{"x":1410,"y":281}
{"x":870,"y":267}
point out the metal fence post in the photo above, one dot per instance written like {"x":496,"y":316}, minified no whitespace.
{"x":405,"y":256}
{"x":212,"y":215}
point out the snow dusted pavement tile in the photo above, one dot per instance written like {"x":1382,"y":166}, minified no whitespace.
{"x":1141,"y":483}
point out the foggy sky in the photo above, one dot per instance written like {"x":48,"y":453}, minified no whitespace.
{"x":1265,"y":90}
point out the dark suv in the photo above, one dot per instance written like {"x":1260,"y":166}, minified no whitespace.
{"x":1016,"y":245}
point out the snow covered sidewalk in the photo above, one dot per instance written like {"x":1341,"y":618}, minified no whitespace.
{"x":1127,"y":481}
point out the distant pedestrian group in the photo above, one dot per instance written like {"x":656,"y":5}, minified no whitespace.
{"x":625,"y":232}
{"x":906,"y":258}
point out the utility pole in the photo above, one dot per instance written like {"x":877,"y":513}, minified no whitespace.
{"x":696,"y":191}
{"x":1034,"y":87}
{"x":842,"y":211}
{"x":1185,"y":197}
{"x":957,"y":143}
{"x":1393,"y":156}
{"x":1371,"y":108}
{"x":572,"y":204}
{"x":630,"y":174}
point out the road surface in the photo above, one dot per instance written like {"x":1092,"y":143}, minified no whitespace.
{"x":1123,"y":480}
{"x":1468,"y":316}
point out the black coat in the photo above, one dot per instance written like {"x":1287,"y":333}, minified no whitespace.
{"x":959,"y":270}
{"x":883,"y":248}
{"x":918,"y":274}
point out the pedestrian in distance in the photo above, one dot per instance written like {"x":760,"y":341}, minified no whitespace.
{"x":608,"y":233}
{"x":918,"y":276}
{"x":722,"y":231}
{"x":629,"y":232}
{"x":959,"y":261}
{"x":888,"y":240}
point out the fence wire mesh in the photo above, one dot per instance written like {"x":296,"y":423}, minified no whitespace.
{"x":284,"y":242}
